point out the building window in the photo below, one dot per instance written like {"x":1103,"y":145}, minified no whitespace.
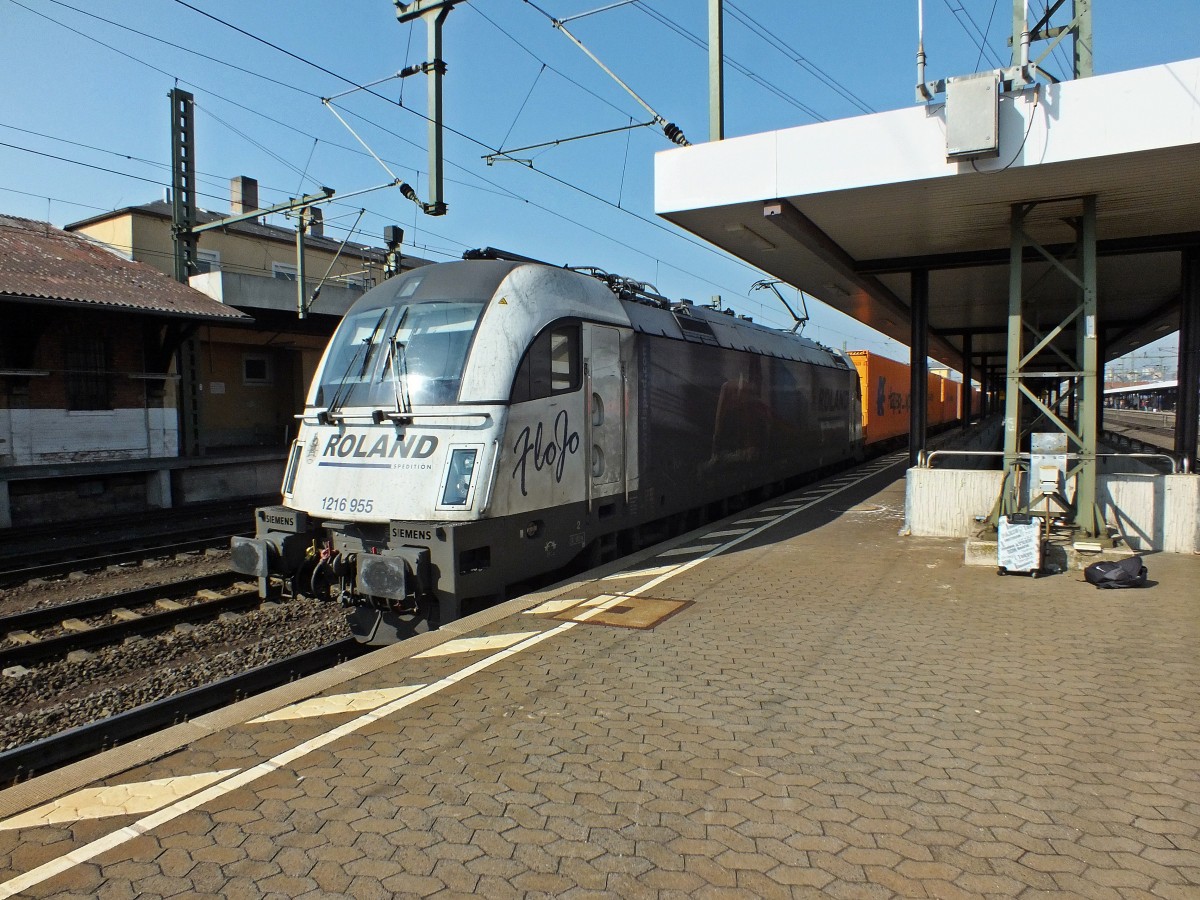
{"x":256,"y":369}
{"x":89,"y":385}
{"x":283,"y":271}
{"x":208,"y":261}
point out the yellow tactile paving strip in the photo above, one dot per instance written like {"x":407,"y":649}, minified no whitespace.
{"x":339,"y":703}
{"x":694,"y":548}
{"x":644,"y":573}
{"x":475,"y":645}
{"x":115,"y":800}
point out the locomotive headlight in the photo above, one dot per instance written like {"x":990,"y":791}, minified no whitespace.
{"x":460,"y":473}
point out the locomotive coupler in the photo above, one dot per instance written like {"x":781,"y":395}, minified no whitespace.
{"x":281,"y":538}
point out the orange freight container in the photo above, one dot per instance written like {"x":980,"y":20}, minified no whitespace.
{"x":935,"y":404}
{"x":954,"y":401}
{"x":885,"y":394}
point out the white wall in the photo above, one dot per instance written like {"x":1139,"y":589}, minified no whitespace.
{"x":39,"y":436}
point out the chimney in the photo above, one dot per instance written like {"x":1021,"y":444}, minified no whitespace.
{"x":243,"y":195}
{"x":316,"y":222}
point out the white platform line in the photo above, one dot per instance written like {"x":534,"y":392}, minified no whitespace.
{"x":90,"y":851}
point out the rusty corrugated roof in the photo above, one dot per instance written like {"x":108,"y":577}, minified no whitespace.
{"x":42,"y":263}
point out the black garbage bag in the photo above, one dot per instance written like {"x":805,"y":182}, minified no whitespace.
{"x":1121,"y":574}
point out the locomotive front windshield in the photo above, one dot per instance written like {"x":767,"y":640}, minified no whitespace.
{"x":398,"y":355}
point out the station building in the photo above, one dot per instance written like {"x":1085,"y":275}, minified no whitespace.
{"x":241,"y":386}
{"x":206,"y":410}
{"x":88,"y":417}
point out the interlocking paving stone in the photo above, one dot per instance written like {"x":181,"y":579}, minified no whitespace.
{"x":904,"y":727}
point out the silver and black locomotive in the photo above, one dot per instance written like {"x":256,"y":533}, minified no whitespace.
{"x":473,"y":424}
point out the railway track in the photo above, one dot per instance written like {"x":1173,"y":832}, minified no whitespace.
{"x":24,"y":761}
{"x":53,"y":551}
{"x":51,"y":632}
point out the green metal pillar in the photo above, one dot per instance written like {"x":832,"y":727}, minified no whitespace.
{"x":716,"y":71}
{"x":1083,"y":38}
{"x":918,"y":366}
{"x":183,"y":184}
{"x":1088,"y":359}
{"x":1012,"y":384}
{"x":1188,"y":406}
{"x":302,"y":216}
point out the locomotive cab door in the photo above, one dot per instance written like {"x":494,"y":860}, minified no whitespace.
{"x":607,"y":410}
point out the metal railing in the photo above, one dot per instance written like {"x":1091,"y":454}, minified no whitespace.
{"x":1178,"y":466}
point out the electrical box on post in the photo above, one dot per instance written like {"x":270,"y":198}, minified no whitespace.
{"x":973,"y":117}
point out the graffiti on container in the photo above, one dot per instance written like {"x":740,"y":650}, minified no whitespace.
{"x":889,"y":401}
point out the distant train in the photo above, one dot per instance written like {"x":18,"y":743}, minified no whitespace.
{"x":474,"y":424}
{"x":886,"y":388}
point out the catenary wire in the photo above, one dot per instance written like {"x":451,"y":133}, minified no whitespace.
{"x":765,"y":34}
{"x":674,"y":233}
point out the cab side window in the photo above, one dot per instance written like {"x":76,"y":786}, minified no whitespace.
{"x":551,"y":365}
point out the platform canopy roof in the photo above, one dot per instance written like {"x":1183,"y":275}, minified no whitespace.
{"x":846,"y":210}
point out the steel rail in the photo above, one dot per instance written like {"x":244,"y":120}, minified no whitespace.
{"x":44,"y":616}
{"x":23,"y":762}
{"x":60,"y":645}
{"x":62,"y":566}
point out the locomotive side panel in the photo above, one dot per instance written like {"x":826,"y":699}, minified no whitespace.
{"x":718,"y":422}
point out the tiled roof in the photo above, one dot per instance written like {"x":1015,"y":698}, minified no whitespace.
{"x":42,"y":263}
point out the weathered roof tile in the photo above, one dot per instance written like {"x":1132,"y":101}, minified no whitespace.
{"x":39,"y":262}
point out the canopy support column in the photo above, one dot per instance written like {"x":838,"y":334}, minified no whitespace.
{"x":918,"y":394}
{"x":1045,"y":359}
{"x":1187,"y":410}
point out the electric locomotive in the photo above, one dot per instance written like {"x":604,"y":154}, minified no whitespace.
{"x":473,"y":424}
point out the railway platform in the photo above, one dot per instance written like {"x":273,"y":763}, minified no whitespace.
{"x":794,"y":701}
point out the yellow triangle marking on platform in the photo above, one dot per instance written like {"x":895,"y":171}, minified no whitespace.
{"x":730,"y":532}
{"x":473,"y":645}
{"x":552,"y":606}
{"x":641,"y":573}
{"x":695,"y":548}
{"x":114,"y":800}
{"x":339,"y":703}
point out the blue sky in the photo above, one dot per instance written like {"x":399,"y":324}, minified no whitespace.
{"x":84,"y":123}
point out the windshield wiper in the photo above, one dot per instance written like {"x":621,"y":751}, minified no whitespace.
{"x":366,"y":350}
{"x":400,"y":379}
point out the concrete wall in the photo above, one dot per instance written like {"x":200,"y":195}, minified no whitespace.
{"x":215,"y":482}
{"x":98,"y":489}
{"x":1151,"y":511}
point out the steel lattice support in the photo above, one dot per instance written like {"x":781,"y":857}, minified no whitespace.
{"x":1082,"y":372}
{"x":183,"y":184}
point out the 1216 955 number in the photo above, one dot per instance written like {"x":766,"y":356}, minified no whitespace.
{"x":347,"y":504}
